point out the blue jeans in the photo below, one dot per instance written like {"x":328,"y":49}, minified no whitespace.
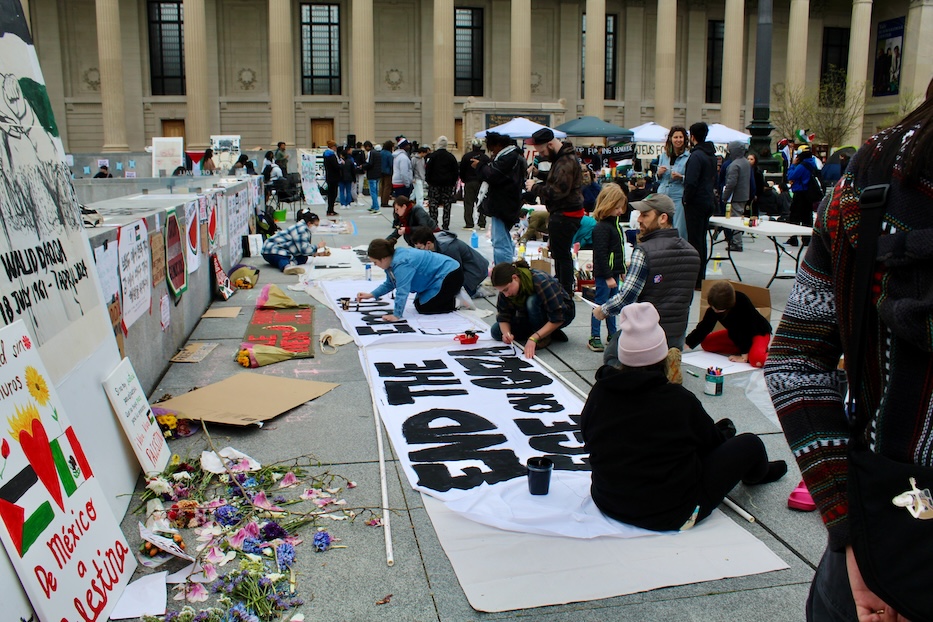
{"x":503,"y":249}
{"x":603,"y":294}
{"x":524,"y":324}
{"x":345,"y":190}
{"x":830,"y":597}
{"x":281,"y":261}
{"x":374,"y":193}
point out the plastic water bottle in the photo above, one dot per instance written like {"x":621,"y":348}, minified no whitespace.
{"x":369,"y":271}
{"x":521,"y":251}
{"x":474,"y":239}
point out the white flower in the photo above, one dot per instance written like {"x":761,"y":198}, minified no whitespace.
{"x":182,"y":476}
{"x":159,"y":486}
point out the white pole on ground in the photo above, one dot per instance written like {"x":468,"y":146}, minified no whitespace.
{"x":735,"y":508}
{"x":386,"y":527}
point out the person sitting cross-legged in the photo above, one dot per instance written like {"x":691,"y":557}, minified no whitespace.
{"x":661,"y":463}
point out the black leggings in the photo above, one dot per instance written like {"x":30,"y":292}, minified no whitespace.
{"x":742,"y":458}
{"x":445,"y":300}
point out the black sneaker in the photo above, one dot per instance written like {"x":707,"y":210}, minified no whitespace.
{"x":793,"y":241}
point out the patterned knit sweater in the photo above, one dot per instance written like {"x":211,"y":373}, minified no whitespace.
{"x":817,"y":328}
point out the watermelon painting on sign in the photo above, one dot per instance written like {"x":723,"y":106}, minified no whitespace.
{"x":55,"y":522}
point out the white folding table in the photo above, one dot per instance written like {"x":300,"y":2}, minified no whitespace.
{"x":770,"y":229}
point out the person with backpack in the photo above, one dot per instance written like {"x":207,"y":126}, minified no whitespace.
{"x":500,"y":194}
{"x":805,"y":185}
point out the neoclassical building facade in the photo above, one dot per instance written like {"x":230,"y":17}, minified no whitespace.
{"x":122,"y":71}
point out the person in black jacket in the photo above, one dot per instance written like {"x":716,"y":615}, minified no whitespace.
{"x":475,"y":266}
{"x":471,"y":184}
{"x":441,"y":171}
{"x":331,"y":175}
{"x":409,"y":216}
{"x":373,"y":168}
{"x":660,"y":462}
{"x":347,"y":176}
{"x":699,"y":200}
{"x":747,"y":332}
{"x":608,"y":257}
{"x":500,"y":195}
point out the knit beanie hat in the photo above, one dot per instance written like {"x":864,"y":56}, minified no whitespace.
{"x":642,"y":341}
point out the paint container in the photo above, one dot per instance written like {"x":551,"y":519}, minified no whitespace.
{"x":713,"y":384}
{"x":369,"y":271}
{"x":344,"y":303}
{"x":539,"y":475}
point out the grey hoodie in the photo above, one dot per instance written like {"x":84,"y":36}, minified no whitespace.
{"x":738,"y":183}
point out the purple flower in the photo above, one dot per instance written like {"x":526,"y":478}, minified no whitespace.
{"x":227,"y":515}
{"x":321,"y":541}
{"x":285,"y":553}
{"x":273,"y":531}
{"x":253,"y":545}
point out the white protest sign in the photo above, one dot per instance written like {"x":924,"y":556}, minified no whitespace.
{"x":192,"y":236}
{"x":364,"y":321}
{"x":135,"y":271}
{"x":57,"y":526}
{"x":465,"y":416}
{"x":134,"y":414}
{"x":237,"y":223}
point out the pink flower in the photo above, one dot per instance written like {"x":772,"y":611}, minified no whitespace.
{"x":260,"y":501}
{"x":216,"y":556}
{"x":251,"y":530}
{"x":210,"y":572}
{"x":288,"y":481}
{"x":351,"y":484}
{"x":240,"y":465}
{"x":192,"y":592}
{"x":374,"y":522}
{"x":311,"y":493}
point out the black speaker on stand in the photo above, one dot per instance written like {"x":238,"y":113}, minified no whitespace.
{"x":351,"y":140}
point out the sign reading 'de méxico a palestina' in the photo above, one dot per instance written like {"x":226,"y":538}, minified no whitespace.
{"x":463,"y":416}
{"x":135,"y":273}
{"x":57,"y":526}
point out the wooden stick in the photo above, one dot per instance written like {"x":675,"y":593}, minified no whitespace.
{"x":386,"y":528}
{"x":729,"y":503}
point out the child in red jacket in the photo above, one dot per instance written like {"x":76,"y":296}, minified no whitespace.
{"x":747,"y":333}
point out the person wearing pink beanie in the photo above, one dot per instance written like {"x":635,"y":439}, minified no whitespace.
{"x":660,"y":462}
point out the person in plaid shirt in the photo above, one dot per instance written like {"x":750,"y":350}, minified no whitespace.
{"x":291,"y":247}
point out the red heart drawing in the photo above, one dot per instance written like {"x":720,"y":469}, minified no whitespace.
{"x":39,"y":454}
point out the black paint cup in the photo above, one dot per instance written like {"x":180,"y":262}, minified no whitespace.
{"x":539,"y":475}
{"x":344,"y":303}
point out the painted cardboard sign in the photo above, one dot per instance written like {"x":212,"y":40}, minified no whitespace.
{"x":177,"y":273}
{"x":157,"y":246}
{"x":135,"y":416}
{"x":55,"y":522}
{"x":135,"y":272}
{"x":192,"y":237}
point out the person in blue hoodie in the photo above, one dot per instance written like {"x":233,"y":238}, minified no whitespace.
{"x":800,"y":176}
{"x":436,"y":279}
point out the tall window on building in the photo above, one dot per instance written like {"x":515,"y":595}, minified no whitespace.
{"x":611,"y":58}
{"x":468,"y":52}
{"x":715,"y":39}
{"x":167,"y":48}
{"x":835,"y":52}
{"x":320,"y":49}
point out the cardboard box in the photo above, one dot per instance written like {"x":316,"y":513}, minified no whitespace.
{"x":544,"y":265}
{"x":760,"y":297}
{"x":252,"y":245}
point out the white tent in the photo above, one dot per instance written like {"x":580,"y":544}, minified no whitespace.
{"x":719,"y":133}
{"x":519,"y":127}
{"x":650,"y":132}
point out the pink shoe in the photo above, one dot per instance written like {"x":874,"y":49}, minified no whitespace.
{"x":800,"y":499}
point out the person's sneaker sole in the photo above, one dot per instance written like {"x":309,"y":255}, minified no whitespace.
{"x":291,"y":270}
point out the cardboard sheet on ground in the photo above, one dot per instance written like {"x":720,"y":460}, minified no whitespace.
{"x":194,"y":352}
{"x":367,"y":327}
{"x":222,"y":312}
{"x":246,"y":398}
{"x":704,"y":360}
{"x":463,"y":417}
{"x":502,"y":571}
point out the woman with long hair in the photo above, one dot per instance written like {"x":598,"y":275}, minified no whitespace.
{"x":436,"y":279}
{"x":208,"y":166}
{"x":671,"y":166}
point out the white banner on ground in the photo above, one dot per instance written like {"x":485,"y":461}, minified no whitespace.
{"x":463,"y":417}
{"x":364,"y":321}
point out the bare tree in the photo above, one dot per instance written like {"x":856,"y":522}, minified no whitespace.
{"x":793,"y":109}
{"x":906,"y":103}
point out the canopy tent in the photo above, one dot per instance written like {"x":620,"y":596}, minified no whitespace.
{"x":719,"y":133}
{"x":594,"y":126}
{"x":650,"y":132}
{"x":519,"y":127}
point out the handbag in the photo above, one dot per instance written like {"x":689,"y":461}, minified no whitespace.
{"x":890,"y":506}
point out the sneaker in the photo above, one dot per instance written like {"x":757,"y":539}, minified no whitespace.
{"x":595,"y":344}
{"x":793,"y":241}
{"x":674,"y":376}
{"x":734,"y":248}
{"x":559,"y":336}
{"x":293,"y":269}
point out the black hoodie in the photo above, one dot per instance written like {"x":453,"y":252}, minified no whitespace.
{"x":700,"y":178}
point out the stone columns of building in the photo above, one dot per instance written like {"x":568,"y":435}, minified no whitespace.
{"x":634,"y":62}
{"x":918,"y":50}
{"x":857,"y":74}
{"x":665,"y":56}
{"x":733,"y":63}
{"x":520,"y":59}
{"x":197,"y":126}
{"x":594,"y":76}
{"x":110,"y":57}
{"x":362,"y":72}
{"x":696,"y":61}
{"x":796,"y":74}
{"x":444,"y":69}
{"x":281,"y":72}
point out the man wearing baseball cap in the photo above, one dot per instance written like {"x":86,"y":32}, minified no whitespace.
{"x":563,"y":196}
{"x":663,"y":272}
